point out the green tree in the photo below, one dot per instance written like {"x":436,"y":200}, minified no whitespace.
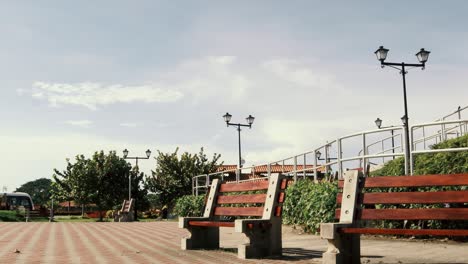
{"x":76,"y":183}
{"x":102,"y":180}
{"x":172,"y":177}
{"x":39,"y":190}
{"x":109,"y":173}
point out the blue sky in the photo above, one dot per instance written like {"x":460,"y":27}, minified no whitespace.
{"x":85,"y":76}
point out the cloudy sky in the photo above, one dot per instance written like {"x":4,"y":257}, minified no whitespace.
{"x":81,"y":76}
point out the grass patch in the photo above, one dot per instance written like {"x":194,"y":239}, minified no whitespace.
{"x":10,"y":216}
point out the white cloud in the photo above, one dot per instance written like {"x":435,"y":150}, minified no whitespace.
{"x":80,"y":123}
{"x":128,"y":124}
{"x":298,"y":74}
{"x":91,"y":95}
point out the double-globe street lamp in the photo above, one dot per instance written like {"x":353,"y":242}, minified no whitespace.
{"x":125,"y":156}
{"x":422,"y":56}
{"x":250,"y":119}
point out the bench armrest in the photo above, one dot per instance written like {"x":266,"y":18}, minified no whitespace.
{"x":330,"y":230}
{"x":184,"y":221}
{"x":242,"y":225}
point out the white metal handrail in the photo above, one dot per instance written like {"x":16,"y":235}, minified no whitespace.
{"x":362,"y":158}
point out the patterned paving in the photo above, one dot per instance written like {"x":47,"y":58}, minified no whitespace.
{"x":151,"y":242}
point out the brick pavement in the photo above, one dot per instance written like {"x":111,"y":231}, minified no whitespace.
{"x":159,"y":242}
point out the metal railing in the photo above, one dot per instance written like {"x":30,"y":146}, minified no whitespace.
{"x":375,"y":153}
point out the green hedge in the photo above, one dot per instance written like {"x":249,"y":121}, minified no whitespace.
{"x":308,"y":204}
{"x":189,"y":205}
{"x":428,"y":163}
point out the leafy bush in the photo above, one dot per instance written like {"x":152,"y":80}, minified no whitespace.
{"x":189,"y":205}
{"x":308,"y":204}
{"x":428,"y":163}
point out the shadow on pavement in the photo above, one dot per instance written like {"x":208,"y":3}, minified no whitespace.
{"x":291,"y":254}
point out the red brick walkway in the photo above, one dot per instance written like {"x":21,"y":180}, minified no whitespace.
{"x":151,"y":242}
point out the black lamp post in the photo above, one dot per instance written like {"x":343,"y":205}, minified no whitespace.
{"x":422,"y":56}
{"x":125,"y":153}
{"x":125,"y":156}
{"x":378,"y":123}
{"x":250,"y":119}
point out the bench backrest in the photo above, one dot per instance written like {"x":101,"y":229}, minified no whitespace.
{"x":261,"y":199}
{"x":367,"y":197}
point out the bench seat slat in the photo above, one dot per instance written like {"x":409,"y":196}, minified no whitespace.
{"x":414,"y":181}
{"x":244,"y":186}
{"x":413,"y":232}
{"x":239,"y":211}
{"x":412,"y":214}
{"x":211,"y":223}
{"x":240,"y":199}
{"x":412,"y":197}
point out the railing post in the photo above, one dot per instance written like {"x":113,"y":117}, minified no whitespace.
{"x":269,"y":169}
{"x":411,"y":151}
{"x":238,"y":173}
{"x":304,"y":166}
{"x":315,"y":166}
{"x":338,"y":158}
{"x":364,"y":151}
{"x":193,"y":186}
{"x":295,"y":168}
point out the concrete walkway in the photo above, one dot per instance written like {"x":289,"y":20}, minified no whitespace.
{"x":159,"y":242}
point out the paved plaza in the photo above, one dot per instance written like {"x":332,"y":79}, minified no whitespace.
{"x":159,"y":242}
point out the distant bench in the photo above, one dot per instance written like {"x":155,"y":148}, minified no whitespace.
{"x":358,"y":203}
{"x":126,"y":213}
{"x":228,"y":205}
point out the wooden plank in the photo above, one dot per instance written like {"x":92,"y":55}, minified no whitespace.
{"x":211,"y":223}
{"x":244,"y":186}
{"x":240,"y":199}
{"x":416,"y":214}
{"x":239,"y":211}
{"x":415,"y":181}
{"x":412,"y":197}
{"x":411,"y":214}
{"x":281,"y":197}
{"x":411,"y":232}
{"x":284,"y":184}
{"x":278,"y":210}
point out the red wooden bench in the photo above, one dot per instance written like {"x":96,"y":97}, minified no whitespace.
{"x":358,"y":203}
{"x":257,"y":214}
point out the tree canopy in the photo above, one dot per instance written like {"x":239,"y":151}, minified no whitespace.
{"x":101,"y":179}
{"x":39,"y":190}
{"x":173,"y":174}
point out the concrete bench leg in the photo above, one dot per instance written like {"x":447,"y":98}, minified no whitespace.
{"x":342,"y":248}
{"x":263,"y":242}
{"x":201,"y":237}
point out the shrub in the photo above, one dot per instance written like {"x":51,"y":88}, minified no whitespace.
{"x":308,"y":204}
{"x":189,"y":205}
{"x":428,"y":163}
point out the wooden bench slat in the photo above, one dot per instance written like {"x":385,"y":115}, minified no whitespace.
{"x":414,"y":181}
{"x":244,"y":186}
{"x":278,"y":210}
{"x":412,"y":214}
{"x":239,"y":211}
{"x":412,"y":197}
{"x":211,"y":223}
{"x":239,"y":199}
{"x":281,"y":197}
{"x":413,"y":232}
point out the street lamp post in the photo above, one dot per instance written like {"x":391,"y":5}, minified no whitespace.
{"x":250,"y":119}
{"x":327,"y":158}
{"x":378,"y":123}
{"x":422,"y":56}
{"x":125,"y":153}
